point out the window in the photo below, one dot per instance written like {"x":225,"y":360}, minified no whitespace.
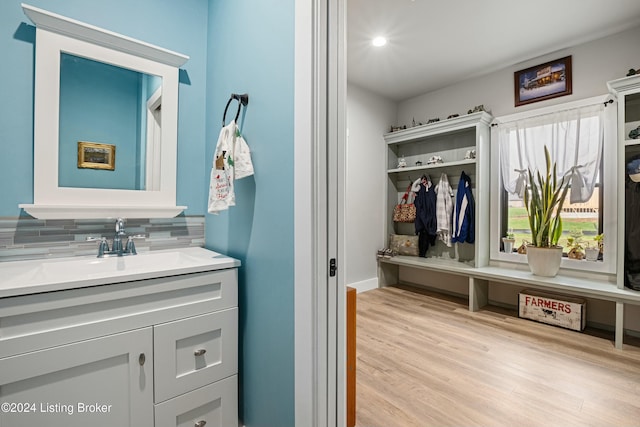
{"x":575,"y":137}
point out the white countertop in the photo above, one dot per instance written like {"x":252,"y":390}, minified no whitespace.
{"x":35,"y":276}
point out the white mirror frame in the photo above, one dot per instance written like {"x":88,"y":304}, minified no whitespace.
{"x":56,"y":34}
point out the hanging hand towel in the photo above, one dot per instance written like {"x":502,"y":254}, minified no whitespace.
{"x":243,"y":166}
{"x":221,"y":194}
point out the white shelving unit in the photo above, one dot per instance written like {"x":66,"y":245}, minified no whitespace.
{"x":472,"y":274}
{"x":627,"y":92}
{"x":451,"y":140}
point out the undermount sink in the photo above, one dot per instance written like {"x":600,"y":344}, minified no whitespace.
{"x":23,"y":277}
{"x":95,"y":267}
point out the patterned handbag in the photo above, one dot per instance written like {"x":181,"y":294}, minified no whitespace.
{"x":405,"y":211}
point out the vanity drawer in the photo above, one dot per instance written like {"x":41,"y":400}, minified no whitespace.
{"x":194,"y":352}
{"x":215,"y":405}
{"x":38,"y":321}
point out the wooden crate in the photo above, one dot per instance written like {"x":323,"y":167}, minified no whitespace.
{"x":554,"y":309}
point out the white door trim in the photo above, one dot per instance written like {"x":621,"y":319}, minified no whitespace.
{"x":153,"y":141}
{"x":319,"y":132}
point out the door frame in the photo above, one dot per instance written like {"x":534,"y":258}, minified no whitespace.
{"x":319,"y":184}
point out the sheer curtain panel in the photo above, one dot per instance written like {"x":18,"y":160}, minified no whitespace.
{"x":574,"y":139}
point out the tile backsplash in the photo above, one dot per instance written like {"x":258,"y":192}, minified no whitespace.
{"x":27,"y":238}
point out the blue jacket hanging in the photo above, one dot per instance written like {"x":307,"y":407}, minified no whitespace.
{"x":464,"y":216}
{"x":425,"y":223}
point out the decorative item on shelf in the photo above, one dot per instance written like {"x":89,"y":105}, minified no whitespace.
{"x":476,"y":109}
{"x":413,"y":122}
{"x":405,"y":211}
{"x":522,"y":249}
{"x":576,"y":250}
{"x":544,"y":203}
{"x":633,"y":72}
{"x":437,"y":119}
{"x":452,"y":116}
{"x":419,"y":163}
{"x":635,"y":133}
{"x":435,"y":160}
{"x":508,"y":241}
{"x":470,"y":154}
{"x":397,"y":128}
{"x":402,"y":163}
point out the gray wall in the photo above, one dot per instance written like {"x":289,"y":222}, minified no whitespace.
{"x":593,"y":64}
{"x":369,"y":116}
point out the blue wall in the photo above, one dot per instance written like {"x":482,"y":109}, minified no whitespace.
{"x":251,"y":49}
{"x":234,"y":46}
{"x":179,"y":26}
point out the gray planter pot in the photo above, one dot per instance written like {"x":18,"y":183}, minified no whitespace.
{"x":508,"y":245}
{"x":544,"y":261}
{"x":591,"y":254}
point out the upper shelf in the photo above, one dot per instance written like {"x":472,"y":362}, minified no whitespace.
{"x":624,"y":84}
{"x":433,"y":166}
{"x":79,"y":30}
{"x":455,"y":124}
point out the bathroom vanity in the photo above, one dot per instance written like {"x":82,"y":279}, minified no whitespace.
{"x":148,"y":340}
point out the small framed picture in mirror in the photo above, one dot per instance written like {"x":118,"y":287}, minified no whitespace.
{"x":92,"y":155}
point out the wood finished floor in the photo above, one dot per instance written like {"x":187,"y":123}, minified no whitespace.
{"x":424,"y":360}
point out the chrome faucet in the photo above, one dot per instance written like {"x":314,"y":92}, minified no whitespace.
{"x":117,"y":248}
{"x":117,"y":239}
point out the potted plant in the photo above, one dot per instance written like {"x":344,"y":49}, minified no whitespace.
{"x":600,"y":241}
{"x":544,"y":202}
{"x":508,"y":241}
{"x":592,"y":252}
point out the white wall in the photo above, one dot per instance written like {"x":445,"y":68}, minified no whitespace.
{"x":369,"y":116}
{"x":593,"y":64}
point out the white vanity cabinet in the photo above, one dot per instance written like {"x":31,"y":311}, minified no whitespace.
{"x":161,"y":351}
{"x":92,"y":382}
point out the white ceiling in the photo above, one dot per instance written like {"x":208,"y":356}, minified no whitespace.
{"x":435,"y":43}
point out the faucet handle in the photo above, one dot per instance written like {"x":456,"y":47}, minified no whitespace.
{"x":103,"y":248}
{"x":131,"y":247}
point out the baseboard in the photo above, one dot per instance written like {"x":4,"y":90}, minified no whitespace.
{"x":364,"y":285}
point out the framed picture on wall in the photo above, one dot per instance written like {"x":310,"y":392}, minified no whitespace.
{"x":545,"y":81}
{"x":92,"y":155}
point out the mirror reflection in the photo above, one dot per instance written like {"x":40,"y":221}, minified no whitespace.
{"x":109,"y":126}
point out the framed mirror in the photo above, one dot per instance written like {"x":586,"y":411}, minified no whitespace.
{"x":105,"y":123}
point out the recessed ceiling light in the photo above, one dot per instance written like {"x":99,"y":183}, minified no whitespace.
{"x":379,"y":41}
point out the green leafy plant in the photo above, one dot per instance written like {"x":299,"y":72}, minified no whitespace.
{"x":510,"y":236}
{"x":600,"y":241}
{"x":544,"y":203}
{"x":576,"y":250}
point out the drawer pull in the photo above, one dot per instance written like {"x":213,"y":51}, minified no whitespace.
{"x":200,"y":423}
{"x":141,"y":359}
{"x":199,"y":353}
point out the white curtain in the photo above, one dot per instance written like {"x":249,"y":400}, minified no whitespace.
{"x":574,"y":139}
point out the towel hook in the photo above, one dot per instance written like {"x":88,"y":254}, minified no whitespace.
{"x":242,"y":99}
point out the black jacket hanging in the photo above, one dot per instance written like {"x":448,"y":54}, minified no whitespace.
{"x":425,"y":223}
